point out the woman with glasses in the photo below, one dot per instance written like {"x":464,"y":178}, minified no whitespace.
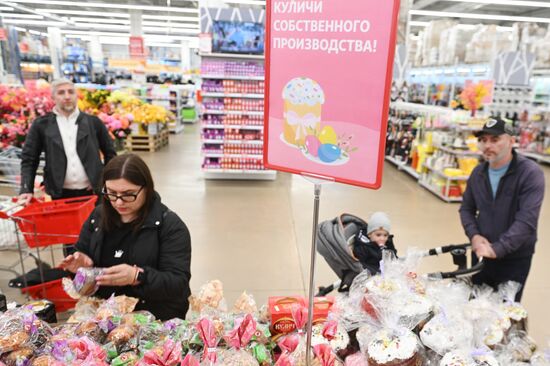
{"x":144,"y":248}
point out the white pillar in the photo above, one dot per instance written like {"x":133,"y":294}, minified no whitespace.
{"x":96,"y":51}
{"x":55,"y":42}
{"x":185,"y":56}
{"x":136,"y":28}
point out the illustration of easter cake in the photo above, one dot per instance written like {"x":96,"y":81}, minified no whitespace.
{"x":303,"y":101}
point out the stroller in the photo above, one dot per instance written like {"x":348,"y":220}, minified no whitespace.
{"x":335,"y":240}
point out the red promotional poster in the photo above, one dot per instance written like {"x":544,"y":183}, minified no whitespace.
{"x":136,"y":47}
{"x":3,"y":34}
{"x":328,"y":77}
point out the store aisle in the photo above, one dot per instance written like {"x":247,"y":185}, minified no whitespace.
{"x":255,"y":236}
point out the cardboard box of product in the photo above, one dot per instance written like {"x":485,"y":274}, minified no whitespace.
{"x":280,"y":312}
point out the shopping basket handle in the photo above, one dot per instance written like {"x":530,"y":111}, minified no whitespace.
{"x":460,"y":272}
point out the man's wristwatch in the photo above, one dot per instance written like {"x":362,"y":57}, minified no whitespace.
{"x":141,"y":276}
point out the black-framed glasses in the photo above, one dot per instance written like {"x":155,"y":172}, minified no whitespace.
{"x":126,"y":197}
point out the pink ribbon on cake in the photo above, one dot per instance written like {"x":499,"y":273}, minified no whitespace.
{"x":299,"y":314}
{"x":242,"y":334}
{"x":207,"y":332}
{"x":86,"y":350}
{"x":284,"y":360}
{"x":330,"y":329}
{"x":171,"y":355}
{"x":190,"y":360}
{"x":324,"y":354}
{"x":289,"y":343}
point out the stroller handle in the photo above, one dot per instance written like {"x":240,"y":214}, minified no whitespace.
{"x":459,"y":273}
{"x":447,"y":249}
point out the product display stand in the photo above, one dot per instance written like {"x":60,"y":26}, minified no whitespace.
{"x":318,"y":182}
{"x":232,"y":117}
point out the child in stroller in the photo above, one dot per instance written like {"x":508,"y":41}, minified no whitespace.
{"x":372,"y":240}
{"x":350,"y":245}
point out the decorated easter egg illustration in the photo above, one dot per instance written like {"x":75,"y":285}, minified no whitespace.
{"x":329,"y":153}
{"x":312,"y":145}
{"x":328,"y":136}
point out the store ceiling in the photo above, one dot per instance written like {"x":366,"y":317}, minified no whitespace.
{"x":500,"y":12}
{"x":180,"y":17}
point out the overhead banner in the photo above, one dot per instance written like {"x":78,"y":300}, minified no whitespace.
{"x":328,"y":77}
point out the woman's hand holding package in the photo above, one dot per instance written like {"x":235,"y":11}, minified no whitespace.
{"x":74,"y":261}
{"x":120,"y":275}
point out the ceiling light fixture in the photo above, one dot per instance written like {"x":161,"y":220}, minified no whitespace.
{"x":534,"y":4}
{"x":505,"y":18}
{"x":83,"y":12}
{"x":246,"y":2}
{"x":31,"y":11}
{"x":102,"y":21}
{"x":175,"y":25}
{"x":22,"y":16}
{"x":44,"y":23}
{"x":6,"y":8}
{"x":112,"y":6}
{"x":157,"y":37}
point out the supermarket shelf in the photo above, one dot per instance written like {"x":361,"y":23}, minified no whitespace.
{"x":401,"y":165}
{"x":443,"y":175}
{"x":232,"y":95}
{"x":233,"y":55}
{"x":251,"y":156}
{"x":235,"y":113}
{"x":234,"y":142}
{"x":538,"y":157}
{"x":240,"y":174}
{"x":439,"y":194}
{"x":457,"y":151}
{"x":232,"y":77}
{"x":234,"y":127}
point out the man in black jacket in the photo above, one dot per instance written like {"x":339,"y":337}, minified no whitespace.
{"x":501,"y":207}
{"x":72,"y":142}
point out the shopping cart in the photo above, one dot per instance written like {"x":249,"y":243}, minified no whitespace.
{"x":335,"y":240}
{"x":10,"y":166}
{"x":43,"y":225}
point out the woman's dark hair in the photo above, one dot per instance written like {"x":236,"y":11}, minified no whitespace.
{"x":132,"y":168}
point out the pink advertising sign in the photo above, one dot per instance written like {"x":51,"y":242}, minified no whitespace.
{"x":328,"y":75}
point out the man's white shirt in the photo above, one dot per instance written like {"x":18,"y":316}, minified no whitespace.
{"x":75,"y":176}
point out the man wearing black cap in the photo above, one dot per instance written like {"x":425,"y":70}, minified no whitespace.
{"x":501,"y":206}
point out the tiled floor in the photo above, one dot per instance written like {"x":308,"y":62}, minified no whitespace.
{"x":256,"y":236}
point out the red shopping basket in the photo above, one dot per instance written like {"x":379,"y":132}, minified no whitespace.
{"x":54,"y":222}
{"x":53,"y":291}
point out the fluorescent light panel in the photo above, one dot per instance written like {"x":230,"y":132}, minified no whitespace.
{"x":479,"y":16}
{"x":43,"y":23}
{"x":535,"y":4}
{"x":173,"y":25}
{"x":22,"y":16}
{"x":102,"y":21}
{"x":6,"y":8}
{"x":83,"y":12}
{"x":152,"y":37}
{"x":111,"y":6}
{"x":125,"y":23}
{"x":245,"y":2}
{"x":116,"y":15}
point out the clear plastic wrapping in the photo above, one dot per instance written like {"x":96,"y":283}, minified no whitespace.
{"x":209,"y":301}
{"x":388,"y":339}
{"x":83,"y":284}
{"x":238,"y":339}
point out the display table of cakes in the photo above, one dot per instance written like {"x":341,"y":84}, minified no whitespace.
{"x":233,"y":117}
{"x":397,"y":318}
